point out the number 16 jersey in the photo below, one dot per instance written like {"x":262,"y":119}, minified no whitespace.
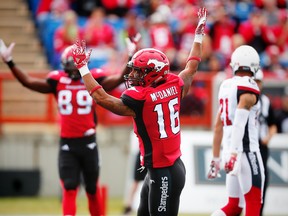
{"x":157,"y":124}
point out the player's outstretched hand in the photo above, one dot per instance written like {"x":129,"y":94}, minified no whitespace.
{"x":132,"y":44}
{"x":6,"y":53}
{"x":229,"y":166}
{"x":79,"y":54}
{"x":202,"y":15}
{"x":214,"y":169}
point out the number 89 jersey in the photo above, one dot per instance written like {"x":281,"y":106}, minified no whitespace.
{"x":157,"y":124}
{"x":228,"y":98}
{"x":76,"y":107}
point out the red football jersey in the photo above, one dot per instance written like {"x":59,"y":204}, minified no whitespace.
{"x":157,"y":123}
{"x":76,"y":107}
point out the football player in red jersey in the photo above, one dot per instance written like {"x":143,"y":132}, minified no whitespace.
{"x":153,"y":100}
{"x":78,"y":152}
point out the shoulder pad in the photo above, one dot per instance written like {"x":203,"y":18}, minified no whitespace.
{"x":248,"y":84}
{"x":135,"y":92}
{"x":56,"y":74}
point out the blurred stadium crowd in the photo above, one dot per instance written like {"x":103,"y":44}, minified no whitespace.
{"x":167,"y":25}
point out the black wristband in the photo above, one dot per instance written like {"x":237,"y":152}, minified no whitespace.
{"x":10,"y":64}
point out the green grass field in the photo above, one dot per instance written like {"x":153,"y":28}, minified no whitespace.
{"x":52,"y":206}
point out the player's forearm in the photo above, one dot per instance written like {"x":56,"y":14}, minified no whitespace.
{"x":20,"y":75}
{"x":111,"y":103}
{"x":114,"y":105}
{"x":194,"y":59}
{"x":32,"y":83}
{"x":101,"y":97}
{"x":217,"y":138}
{"x":191,"y":67}
{"x":190,"y":70}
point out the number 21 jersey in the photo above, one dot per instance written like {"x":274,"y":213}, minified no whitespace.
{"x":228,"y":98}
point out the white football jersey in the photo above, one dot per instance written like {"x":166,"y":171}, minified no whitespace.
{"x":228,"y":97}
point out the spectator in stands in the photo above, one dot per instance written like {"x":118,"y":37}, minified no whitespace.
{"x":51,"y":7}
{"x":241,"y":10}
{"x":78,"y":150}
{"x":161,"y":35}
{"x":270,"y":10}
{"x":212,"y":61}
{"x":118,"y":8}
{"x":267,"y":129}
{"x":221,"y":30}
{"x":271,"y":61}
{"x":282,"y":114}
{"x":185,"y":32}
{"x":280,"y":3}
{"x":50,"y":10}
{"x":281,"y":34}
{"x":255,"y":31}
{"x":49,"y":17}
{"x":97,"y":32}
{"x":99,"y":35}
{"x":66,"y":35}
{"x":133,"y":24}
{"x":84,"y":8}
{"x":152,"y":6}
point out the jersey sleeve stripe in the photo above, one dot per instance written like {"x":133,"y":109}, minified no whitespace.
{"x":247,"y":89}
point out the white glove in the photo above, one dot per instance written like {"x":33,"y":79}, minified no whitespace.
{"x":214,"y":169}
{"x":80,"y":56}
{"x":199,"y":32}
{"x":237,"y":165}
{"x":132,"y":45}
{"x":6,"y":53}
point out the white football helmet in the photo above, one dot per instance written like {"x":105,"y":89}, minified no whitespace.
{"x":259,"y":75}
{"x":245,"y":58}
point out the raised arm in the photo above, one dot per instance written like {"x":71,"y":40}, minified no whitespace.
{"x":100,"y":96}
{"x":195,"y":53}
{"x":35,"y":84}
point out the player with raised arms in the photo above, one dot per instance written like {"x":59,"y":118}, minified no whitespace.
{"x":153,"y":100}
{"x":78,"y":149}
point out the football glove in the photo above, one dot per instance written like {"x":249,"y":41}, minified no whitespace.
{"x":132,"y":45}
{"x":214,"y":169}
{"x":202,"y":15}
{"x":79,"y":54}
{"x":6,"y":53}
{"x":229,"y":166}
{"x":199,"y":32}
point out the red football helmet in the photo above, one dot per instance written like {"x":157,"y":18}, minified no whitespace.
{"x":68,"y":64}
{"x":149,"y":66}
